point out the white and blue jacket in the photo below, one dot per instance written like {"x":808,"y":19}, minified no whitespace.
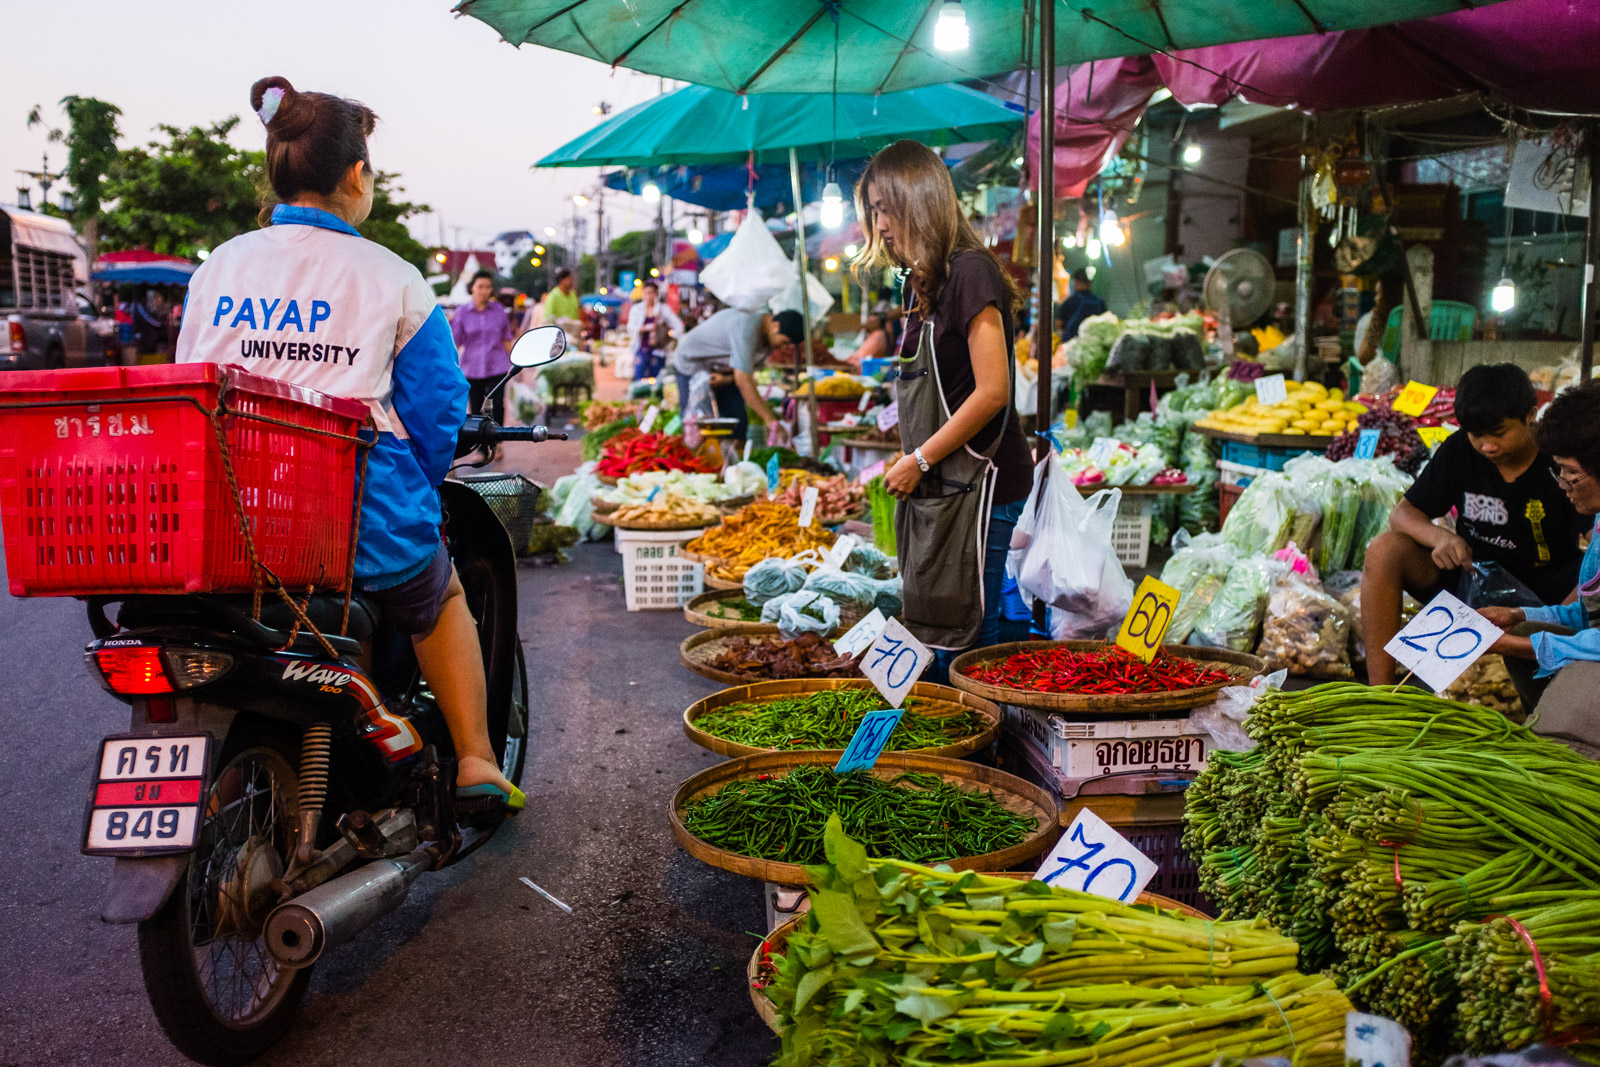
{"x":309,"y":300}
{"x":1555,"y":651}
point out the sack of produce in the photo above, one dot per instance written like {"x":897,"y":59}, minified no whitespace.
{"x":803,"y":612}
{"x":1233,"y":618}
{"x":745,"y":479}
{"x":1261,"y":519}
{"x":1224,"y":717}
{"x":843,"y":587}
{"x":1339,"y":525}
{"x":1197,"y":569}
{"x":1306,"y":632}
{"x":1487,"y":684}
{"x":1311,"y":488}
{"x":1197,"y":511}
{"x":773,"y":577}
{"x":1133,"y":351}
{"x":867,"y":560}
{"x":1382,"y":486}
{"x":1091,"y":349}
{"x":573,"y":495}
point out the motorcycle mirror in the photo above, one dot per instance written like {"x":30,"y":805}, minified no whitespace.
{"x":546,"y":344}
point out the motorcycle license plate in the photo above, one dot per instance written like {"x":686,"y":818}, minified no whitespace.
{"x":148,"y":794}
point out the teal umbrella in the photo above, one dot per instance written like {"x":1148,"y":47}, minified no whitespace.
{"x":699,"y":125}
{"x":788,"y":46}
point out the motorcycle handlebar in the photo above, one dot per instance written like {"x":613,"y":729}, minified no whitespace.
{"x":527,"y":433}
{"x":481,"y":430}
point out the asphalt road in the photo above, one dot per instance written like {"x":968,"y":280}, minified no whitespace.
{"x":474,"y":968}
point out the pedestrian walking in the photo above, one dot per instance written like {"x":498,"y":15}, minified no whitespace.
{"x":482,"y":332}
{"x":651,"y":328}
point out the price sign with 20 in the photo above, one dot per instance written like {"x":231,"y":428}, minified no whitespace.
{"x":1145,"y":626}
{"x":1443,"y":641}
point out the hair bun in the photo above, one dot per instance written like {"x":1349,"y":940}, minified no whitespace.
{"x":280,"y":108}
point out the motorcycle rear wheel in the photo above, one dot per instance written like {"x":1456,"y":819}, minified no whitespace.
{"x":220,"y":998}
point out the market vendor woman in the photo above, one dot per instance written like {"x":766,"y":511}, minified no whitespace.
{"x":966,"y":469}
{"x":1508,"y":510}
{"x":1553,"y":653}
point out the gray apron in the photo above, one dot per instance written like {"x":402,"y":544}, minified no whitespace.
{"x":941,"y":529}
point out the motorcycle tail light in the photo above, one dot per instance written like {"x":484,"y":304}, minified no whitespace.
{"x":192,"y":667}
{"x":132,"y":671}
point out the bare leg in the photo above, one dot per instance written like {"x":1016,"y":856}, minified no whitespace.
{"x":452,"y":664}
{"x":1394,"y":564}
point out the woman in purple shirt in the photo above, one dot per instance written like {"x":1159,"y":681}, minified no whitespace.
{"x":483,"y":337}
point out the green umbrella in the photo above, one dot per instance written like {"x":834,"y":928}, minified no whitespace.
{"x":788,"y":46}
{"x":699,"y":125}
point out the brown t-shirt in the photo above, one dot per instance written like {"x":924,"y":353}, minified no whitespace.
{"x":975,"y":283}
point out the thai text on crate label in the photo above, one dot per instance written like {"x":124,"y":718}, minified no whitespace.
{"x":1091,"y":857}
{"x":1444,"y":639}
{"x":895,"y":661}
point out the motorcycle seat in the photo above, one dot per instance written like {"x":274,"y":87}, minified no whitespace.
{"x":325,"y":611}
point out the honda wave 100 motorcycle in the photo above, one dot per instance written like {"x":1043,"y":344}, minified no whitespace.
{"x":277,"y":790}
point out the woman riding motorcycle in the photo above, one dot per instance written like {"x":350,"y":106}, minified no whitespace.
{"x":310,"y":301}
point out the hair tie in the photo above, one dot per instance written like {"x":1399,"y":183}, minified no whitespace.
{"x":270,"y":100}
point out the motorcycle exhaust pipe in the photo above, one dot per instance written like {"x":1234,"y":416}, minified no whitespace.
{"x":299,"y":931}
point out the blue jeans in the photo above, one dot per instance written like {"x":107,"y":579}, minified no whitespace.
{"x":1002,"y":520}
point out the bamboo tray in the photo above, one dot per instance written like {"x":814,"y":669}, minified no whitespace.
{"x":697,"y":609}
{"x":1020,"y":796}
{"x":1240,"y":667}
{"x":605,"y":518}
{"x":698,"y":648}
{"x":778,"y":940}
{"x":945,"y":702}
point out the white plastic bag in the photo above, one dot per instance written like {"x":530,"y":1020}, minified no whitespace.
{"x":752,"y":269}
{"x":804,"y":612}
{"x":1224,"y":718}
{"x":1061,"y":553}
{"x":788,"y":298}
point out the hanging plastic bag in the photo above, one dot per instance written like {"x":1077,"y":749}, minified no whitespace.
{"x":1491,"y":585}
{"x":752,"y":269}
{"x":1064,"y":543}
{"x":788,"y":298}
{"x":1224,"y":717}
{"x":802,"y":612}
{"x":1306,"y":632}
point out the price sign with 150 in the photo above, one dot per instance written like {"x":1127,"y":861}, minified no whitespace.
{"x":1444,"y":639}
{"x":1145,"y":625}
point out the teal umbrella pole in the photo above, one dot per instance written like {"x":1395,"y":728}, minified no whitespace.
{"x":803,"y":263}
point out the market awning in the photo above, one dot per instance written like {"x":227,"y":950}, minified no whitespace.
{"x":722,"y":187}
{"x":147,"y":274}
{"x":1535,"y":54}
{"x":886,"y":46}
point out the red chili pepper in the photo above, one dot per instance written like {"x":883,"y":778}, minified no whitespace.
{"x":1106,"y":671}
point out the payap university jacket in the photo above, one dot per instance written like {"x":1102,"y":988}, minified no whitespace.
{"x":309,"y":300}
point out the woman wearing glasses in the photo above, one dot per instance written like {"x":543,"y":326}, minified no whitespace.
{"x":1553,"y":653}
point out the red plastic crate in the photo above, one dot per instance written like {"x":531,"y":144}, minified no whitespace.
{"x":114,"y":483}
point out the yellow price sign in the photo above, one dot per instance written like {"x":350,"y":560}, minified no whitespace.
{"x":1433,"y":436}
{"x":1070,"y":417}
{"x":1414,"y":398}
{"x":1145,"y":625}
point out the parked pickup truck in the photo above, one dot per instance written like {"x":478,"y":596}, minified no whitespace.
{"x":48,"y":321}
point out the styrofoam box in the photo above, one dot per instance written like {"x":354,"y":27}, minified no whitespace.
{"x":1093,"y":749}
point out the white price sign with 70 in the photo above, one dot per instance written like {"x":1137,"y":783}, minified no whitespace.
{"x":1443,"y":640}
{"x":1091,"y":857}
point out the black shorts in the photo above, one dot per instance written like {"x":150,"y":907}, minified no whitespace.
{"x":413,"y":606}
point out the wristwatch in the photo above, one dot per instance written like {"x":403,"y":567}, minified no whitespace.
{"x":922,"y":464}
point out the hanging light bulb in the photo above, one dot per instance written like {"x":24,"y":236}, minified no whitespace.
{"x":696,"y":235}
{"x":832,"y":206}
{"x":830,"y":264}
{"x":651,"y":192}
{"x":1110,"y":232}
{"x":1090,"y":271}
{"x":1069,"y":241}
{"x":1504,"y":295}
{"x":950,"y":33}
{"x":1092,"y":249}
{"x":851,"y":250}
{"x":1192,"y":153}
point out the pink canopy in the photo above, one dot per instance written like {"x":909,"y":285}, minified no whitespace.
{"x":1536,"y":54}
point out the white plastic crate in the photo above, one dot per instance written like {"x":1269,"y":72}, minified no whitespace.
{"x":1094,"y":749}
{"x":654,"y":576}
{"x":1239,"y":474}
{"x":1130,"y":534}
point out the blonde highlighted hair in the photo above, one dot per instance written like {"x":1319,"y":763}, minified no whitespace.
{"x":914,"y":187}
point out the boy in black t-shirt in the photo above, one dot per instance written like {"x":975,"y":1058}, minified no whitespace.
{"x":1509,"y":510}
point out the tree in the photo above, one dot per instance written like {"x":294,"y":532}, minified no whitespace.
{"x":636,"y":248}
{"x":191,"y":191}
{"x":91,"y":140}
{"x":385,"y":223}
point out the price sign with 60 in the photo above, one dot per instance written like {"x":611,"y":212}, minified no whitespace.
{"x":1145,"y":626}
{"x":1443,"y":640}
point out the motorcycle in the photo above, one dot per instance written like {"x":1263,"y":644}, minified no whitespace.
{"x":278,"y":790}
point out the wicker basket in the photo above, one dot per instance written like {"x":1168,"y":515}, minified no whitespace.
{"x":605,"y":518}
{"x":1018,"y":795}
{"x":699,"y":610}
{"x":775,"y":943}
{"x":938,"y":701}
{"x":698,"y":649}
{"x":1240,"y":668}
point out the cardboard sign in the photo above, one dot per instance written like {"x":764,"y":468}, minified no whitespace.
{"x":895,"y":661}
{"x":1444,"y":639}
{"x":648,"y":422}
{"x":1414,"y":398}
{"x":861,"y":634}
{"x":673,"y":425}
{"x":1145,"y":625}
{"x":1101,"y":451}
{"x":748,"y":445}
{"x":1433,"y":436}
{"x":772,"y":474}
{"x":808,"y":505}
{"x":866,"y":401}
{"x":872,"y":472}
{"x":869,"y":740}
{"x":1367,"y":443}
{"x":841,"y":550}
{"x":1271,"y":390}
{"x":1091,"y":857}
{"x":889,"y":417}
{"x":1373,"y":1041}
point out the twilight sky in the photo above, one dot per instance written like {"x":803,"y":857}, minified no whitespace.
{"x":462,"y":114}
